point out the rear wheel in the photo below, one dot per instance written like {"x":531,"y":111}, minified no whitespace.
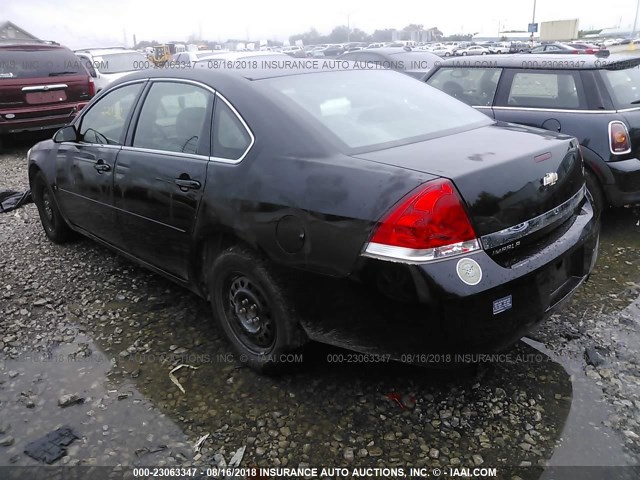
{"x":595,"y":189}
{"x":54,"y":225}
{"x":250,"y":302}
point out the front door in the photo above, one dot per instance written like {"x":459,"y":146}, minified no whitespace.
{"x":85,"y":168}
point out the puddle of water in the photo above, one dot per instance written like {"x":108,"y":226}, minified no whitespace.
{"x":113,"y":423}
{"x":585,"y":440}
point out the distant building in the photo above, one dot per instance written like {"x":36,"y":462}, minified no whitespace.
{"x":10,"y":32}
{"x":559,"y":30}
{"x":616,"y":32}
{"x":428,"y":35}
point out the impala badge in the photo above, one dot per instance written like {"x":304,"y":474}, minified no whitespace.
{"x":549,"y":179}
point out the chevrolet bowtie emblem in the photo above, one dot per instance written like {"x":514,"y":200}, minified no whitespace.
{"x":549,"y":179}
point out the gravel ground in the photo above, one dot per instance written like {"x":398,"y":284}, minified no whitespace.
{"x":78,"y":319}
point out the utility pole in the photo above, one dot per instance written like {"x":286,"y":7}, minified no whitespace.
{"x":533,"y":19}
{"x":349,"y":26}
{"x":635,"y":24}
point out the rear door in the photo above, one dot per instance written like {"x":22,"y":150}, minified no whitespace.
{"x":85,"y":168}
{"x":160,"y":175}
{"x":548,"y":99}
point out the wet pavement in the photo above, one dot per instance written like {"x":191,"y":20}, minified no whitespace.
{"x":78,"y":319}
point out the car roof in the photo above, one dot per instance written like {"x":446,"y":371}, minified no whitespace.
{"x":212,"y":75}
{"x":555,"y":61}
{"x":31,"y":46}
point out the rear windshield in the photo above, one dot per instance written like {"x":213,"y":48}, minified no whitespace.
{"x":120,"y":62}
{"x":27,"y":63}
{"x":624,"y":86}
{"x":374,"y":108}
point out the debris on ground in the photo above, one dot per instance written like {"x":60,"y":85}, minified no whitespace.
{"x":173,"y":378}
{"x":51,"y":447}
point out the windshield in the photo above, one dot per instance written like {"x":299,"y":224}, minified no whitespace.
{"x":120,"y":62}
{"x":623,"y":86}
{"x":27,"y":63}
{"x":373,"y":108}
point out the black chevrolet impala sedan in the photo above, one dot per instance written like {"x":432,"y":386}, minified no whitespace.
{"x":358,"y":208}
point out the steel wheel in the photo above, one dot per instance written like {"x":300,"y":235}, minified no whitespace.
{"x":249,"y":313}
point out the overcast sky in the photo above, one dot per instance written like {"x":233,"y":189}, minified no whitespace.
{"x":80,"y":24}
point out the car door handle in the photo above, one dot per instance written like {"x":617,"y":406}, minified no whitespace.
{"x":102,"y":167}
{"x":187,"y":184}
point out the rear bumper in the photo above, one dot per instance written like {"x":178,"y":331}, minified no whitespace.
{"x":448,"y":315}
{"x":626,"y":187}
{"x":38,"y":118}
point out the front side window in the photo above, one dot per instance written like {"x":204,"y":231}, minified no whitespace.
{"x":473,"y":86}
{"x":231,"y":140}
{"x":173,"y":118}
{"x":544,"y":90}
{"x":105,"y":122}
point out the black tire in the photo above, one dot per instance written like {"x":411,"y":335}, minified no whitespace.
{"x":252,"y":307}
{"x":54,"y":225}
{"x":595,"y":189}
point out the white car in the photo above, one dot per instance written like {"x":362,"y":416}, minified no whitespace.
{"x":501,"y":47}
{"x":186,"y":59}
{"x":473,"y":50}
{"x":108,"y":64}
{"x":443,"y":51}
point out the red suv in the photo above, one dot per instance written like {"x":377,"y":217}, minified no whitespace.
{"x":42,"y":87}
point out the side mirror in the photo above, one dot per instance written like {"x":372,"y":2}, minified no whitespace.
{"x":67,"y":133}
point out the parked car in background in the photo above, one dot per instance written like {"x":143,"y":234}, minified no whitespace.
{"x":42,"y":87}
{"x":595,"y":100}
{"x":268,"y":192}
{"x":354,"y":46}
{"x":587,"y":48}
{"x":556,"y":48}
{"x":519,"y":47}
{"x":329,"y":51}
{"x":415,"y":63}
{"x":108,"y":64}
{"x":500,"y":47}
{"x":443,"y":51}
{"x":237,"y":59}
{"x":473,"y":50}
{"x":294,"y":51}
{"x":186,"y":59}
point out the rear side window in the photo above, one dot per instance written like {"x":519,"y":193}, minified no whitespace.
{"x":623,"y":86}
{"x":105,"y":122}
{"x":173,"y":117}
{"x":231,"y":140}
{"x":544,"y":90}
{"x":473,"y":86}
{"x":28,"y":63}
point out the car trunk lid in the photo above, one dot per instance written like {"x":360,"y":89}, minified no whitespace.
{"x":506,"y":174}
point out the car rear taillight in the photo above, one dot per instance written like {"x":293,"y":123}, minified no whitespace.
{"x":92,"y":88}
{"x":431,"y":223}
{"x":619,"y":142}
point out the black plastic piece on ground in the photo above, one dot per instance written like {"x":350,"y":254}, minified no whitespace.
{"x":49,"y":448}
